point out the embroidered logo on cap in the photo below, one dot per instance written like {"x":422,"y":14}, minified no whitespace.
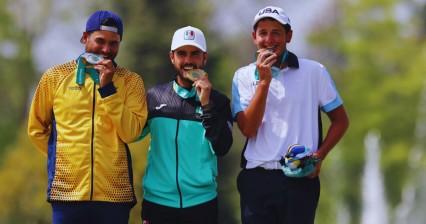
{"x":268,"y":10}
{"x":189,"y":35}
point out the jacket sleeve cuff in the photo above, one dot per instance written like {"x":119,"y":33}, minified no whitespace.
{"x":107,"y":90}
{"x":208,"y":107}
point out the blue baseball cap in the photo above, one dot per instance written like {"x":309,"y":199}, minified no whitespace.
{"x":95,"y":22}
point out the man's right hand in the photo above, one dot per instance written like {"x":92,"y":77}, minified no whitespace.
{"x":265,"y":60}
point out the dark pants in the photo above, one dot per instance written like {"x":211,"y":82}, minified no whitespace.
{"x":90,"y":212}
{"x":269,"y":197}
{"x":206,"y":213}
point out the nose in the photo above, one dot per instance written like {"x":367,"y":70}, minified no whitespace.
{"x":106,"y":48}
{"x":187,"y":59}
{"x":268,"y":38}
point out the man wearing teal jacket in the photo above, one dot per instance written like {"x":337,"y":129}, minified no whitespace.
{"x":190,"y":124}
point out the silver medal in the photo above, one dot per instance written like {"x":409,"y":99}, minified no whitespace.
{"x":92,"y":58}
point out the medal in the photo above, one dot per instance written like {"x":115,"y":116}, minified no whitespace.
{"x":92,"y":58}
{"x":195,"y":74}
{"x":260,"y":50}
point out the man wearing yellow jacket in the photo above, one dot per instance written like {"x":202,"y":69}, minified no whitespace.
{"x":83,"y":115}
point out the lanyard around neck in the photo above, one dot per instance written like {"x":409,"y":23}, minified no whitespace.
{"x":184,"y":93}
{"x":82,"y":69}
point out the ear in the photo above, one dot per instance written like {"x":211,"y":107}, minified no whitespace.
{"x":84,"y":38}
{"x":205,"y":58}
{"x":289,"y":36}
{"x":253,"y":35}
{"x":172,"y":57}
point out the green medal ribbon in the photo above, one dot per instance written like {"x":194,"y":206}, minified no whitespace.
{"x":275,"y":70}
{"x":82,"y":69}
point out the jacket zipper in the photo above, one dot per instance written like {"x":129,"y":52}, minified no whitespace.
{"x":92,"y":143}
{"x":177,"y":151}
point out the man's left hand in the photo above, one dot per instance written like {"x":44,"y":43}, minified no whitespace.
{"x":106,"y":71}
{"x":317,"y":166}
{"x":203,"y":87}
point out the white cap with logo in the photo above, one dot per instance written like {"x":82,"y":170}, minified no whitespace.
{"x":274,"y":13}
{"x":189,"y":36}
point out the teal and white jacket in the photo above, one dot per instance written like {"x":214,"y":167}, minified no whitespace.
{"x":185,"y":142}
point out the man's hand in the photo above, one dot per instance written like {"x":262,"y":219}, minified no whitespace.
{"x":203,"y":87}
{"x":265,"y":60}
{"x":106,"y":71}
{"x":317,"y":166}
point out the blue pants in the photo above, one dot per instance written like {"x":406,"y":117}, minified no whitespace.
{"x":90,"y":212}
{"x":269,"y":197}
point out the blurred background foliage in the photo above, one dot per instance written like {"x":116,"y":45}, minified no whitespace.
{"x":375,"y":51}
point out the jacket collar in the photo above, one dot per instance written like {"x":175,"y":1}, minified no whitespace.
{"x":292,"y":60}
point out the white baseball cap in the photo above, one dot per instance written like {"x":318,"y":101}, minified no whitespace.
{"x":189,"y":36}
{"x":274,"y":13}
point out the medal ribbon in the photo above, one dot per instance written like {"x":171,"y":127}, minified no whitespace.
{"x":184,"y":93}
{"x":82,"y":69}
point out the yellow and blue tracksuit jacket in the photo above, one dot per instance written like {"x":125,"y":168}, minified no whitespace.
{"x":84,"y":131}
{"x":185,"y":142}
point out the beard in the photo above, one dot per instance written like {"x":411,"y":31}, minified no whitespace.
{"x":183,"y":77}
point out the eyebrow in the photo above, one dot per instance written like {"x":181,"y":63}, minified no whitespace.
{"x":264,"y":29}
{"x":106,"y":41}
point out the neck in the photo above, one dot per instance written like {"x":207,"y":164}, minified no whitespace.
{"x":282,"y":61}
{"x":183,"y":83}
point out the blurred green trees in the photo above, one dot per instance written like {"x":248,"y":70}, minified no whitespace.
{"x":373,"y":49}
{"x":16,"y":73}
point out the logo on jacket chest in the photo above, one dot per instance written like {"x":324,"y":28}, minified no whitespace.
{"x":182,"y":112}
{"x":74,"y":87}
{"x":160,"y":106}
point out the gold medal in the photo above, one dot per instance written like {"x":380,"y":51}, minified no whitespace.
{"x":195,"y":74}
